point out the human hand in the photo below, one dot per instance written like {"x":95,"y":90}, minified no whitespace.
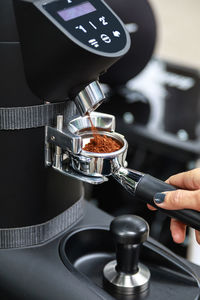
{"x":187,"y":197}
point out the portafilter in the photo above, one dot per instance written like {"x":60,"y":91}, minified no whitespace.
{"x":69,"y":158}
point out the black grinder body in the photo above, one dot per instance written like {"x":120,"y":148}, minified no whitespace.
{"x":28,"y":189}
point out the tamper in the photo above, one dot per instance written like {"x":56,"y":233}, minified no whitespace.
{"x":126,"y":275}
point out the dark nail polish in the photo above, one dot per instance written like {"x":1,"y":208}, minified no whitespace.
{"x":159,"y":198}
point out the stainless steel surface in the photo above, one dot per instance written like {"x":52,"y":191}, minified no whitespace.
{"x":65,"y":139}
{"x":128,"y":178}
{"x":68,"y":171}
{"x":58,"y":150}
{"x":60,"y":122}
{"x":47,"y":147}
{"x":90,"y":98}
{"x":105,"y":122}
{"x":47,"y":150}
{"x":126,"y":284}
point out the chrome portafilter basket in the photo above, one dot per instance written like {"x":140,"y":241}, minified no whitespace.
{"x":99,"y":164}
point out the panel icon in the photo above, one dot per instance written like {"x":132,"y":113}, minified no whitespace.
{"x":106,"y":38}
{"x":103,"y":20}
{"x":81,"y":28}
{"x":94,"y":43}
{"x":116,"y":33}
{"x":92,"y":25}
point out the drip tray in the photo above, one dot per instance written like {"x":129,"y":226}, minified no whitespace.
{"x":86,"y":252}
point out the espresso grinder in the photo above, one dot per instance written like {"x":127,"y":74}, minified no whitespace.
{"x":55,"y":245}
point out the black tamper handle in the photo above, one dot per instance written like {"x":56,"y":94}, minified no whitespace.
{"x":129,"y":232}
{"x":148,"y":186}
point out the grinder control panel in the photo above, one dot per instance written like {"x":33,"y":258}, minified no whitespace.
{"x":68,"y":44}
{"x":90,"y":22}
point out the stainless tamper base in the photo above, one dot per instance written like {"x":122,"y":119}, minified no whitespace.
{"x":126,"y":284}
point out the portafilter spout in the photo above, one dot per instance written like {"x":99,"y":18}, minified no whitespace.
{"x":89,"y":98}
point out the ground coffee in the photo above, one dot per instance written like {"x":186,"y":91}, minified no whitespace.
{"x":102,"y":144}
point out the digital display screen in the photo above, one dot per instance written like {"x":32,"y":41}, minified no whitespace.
{"x":76,"y":11}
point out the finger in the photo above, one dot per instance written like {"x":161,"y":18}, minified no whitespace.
{"x":189,"y":180}
{"x":197,"y":234}
{"x":178,"y":231}
{"x":179,"y":199}
{"x":151,"y":207}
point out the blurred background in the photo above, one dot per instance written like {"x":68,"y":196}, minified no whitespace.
{"x":178,"y":41}
{"x":154,"y":93}
{"x":178,"y":37}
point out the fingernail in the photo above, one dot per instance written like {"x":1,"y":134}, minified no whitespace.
{"x":159,"y":198}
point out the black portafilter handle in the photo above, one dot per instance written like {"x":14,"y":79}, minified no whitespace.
{"x":144,"y":187}
{"x":129,"y":232}
{"x":148,"y":186}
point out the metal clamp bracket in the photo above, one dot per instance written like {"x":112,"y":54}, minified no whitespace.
{"x":64,"y":139}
